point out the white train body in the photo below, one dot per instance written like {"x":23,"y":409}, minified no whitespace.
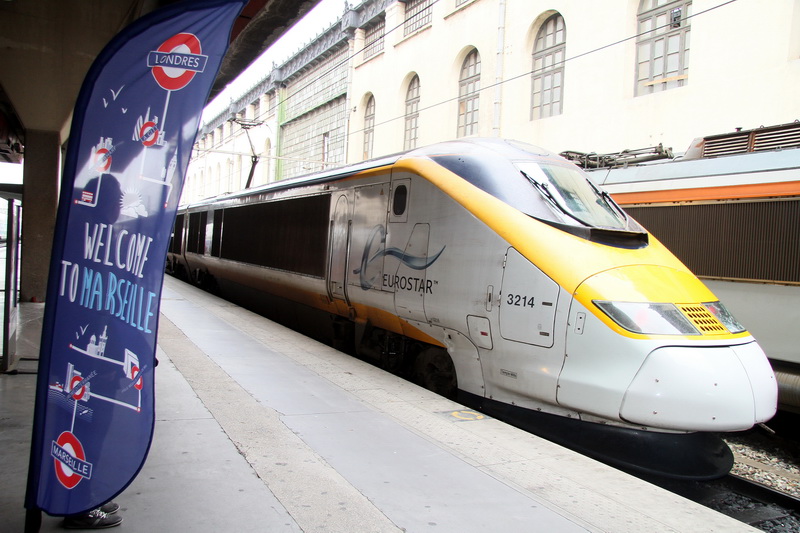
{"x":729,"y":209}
{"x":466,"y":247}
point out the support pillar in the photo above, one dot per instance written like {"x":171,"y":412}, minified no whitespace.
{"x":40,"y":180}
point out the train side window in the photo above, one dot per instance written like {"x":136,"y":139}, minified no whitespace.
{"x":216,"y":237}
{"x":176,"y":245}
{"x":399,"y":201}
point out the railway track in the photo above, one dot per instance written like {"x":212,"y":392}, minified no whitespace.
{"x":754,"y":504}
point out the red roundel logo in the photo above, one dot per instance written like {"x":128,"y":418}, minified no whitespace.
{"x":102,"y":160}
{"x":135,"y":375}
{"x":69,"y":460}
{"x":177,"y":61}
{"x":77,"y":394}
{"x":148,"y":133}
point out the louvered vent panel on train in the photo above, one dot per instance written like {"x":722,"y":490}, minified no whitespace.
{"x":728,"y":145}
{"x":758,"y":140}
{"x":703,"y":319}
{"x":776,"y":139}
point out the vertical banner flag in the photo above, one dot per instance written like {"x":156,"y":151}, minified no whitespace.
{"x":134,"y":125}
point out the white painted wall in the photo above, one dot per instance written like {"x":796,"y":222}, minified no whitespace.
{"x":744,"y":67}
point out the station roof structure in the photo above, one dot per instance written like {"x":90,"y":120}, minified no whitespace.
{"x":49,"y":45}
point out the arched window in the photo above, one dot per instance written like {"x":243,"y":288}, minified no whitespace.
{"x":412,"y":115}
{"x":662,"y":49}
{"x":548,"y":68}
{"x":369,"y":127}
{"x":469,"y":86}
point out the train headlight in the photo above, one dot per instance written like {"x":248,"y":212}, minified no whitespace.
{"x":648,"y":318}
{"x":724,"y":316}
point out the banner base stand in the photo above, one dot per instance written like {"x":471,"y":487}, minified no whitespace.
{"x":33,"y":520}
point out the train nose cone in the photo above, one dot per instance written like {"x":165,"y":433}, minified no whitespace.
{"x":719,"y":388}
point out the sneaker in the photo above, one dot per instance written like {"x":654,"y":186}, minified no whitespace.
{"x":95,"y":519}
{"x":110,"y":508}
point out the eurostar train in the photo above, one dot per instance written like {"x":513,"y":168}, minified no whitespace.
{"x":497,"y":272}
{"x":728,"y":208}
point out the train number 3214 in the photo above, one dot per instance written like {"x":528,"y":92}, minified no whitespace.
{"x":519,"y":300}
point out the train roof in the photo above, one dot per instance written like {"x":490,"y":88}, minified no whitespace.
{"x":527,"y":178}
{"x":764,"y":155}
{"x":751,"y":167}
{"x":510,"y":149}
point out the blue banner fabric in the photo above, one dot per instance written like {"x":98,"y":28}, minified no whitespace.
{"x":133,"y":129}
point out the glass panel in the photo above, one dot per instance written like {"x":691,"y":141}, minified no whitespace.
{"x":661,"y":24}
{"x":645,"y":26}
{"x":644,"y":52}
{"x":568,"y":189}
{"x":673,"y":64}
{"x":644,"y":71}
{"x":658,"y":68}
{"x":658,"y":48}
{"x":673,"y":44}
{"x":540,"y":43}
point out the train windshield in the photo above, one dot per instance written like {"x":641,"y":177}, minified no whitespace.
{"x":544,"y":187}
{"x":572,"y":195}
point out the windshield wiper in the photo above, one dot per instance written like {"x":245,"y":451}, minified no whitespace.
{"x":613,"y":205}
{"x":610,"y":203}
{"x":544,"y":190}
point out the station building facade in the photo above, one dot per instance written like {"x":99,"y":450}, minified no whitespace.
{"x":393,"y":75}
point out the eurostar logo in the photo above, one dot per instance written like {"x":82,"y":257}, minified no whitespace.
{"x":378,"y":237}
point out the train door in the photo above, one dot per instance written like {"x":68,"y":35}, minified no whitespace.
{"x":368,"y":246}
{"x":532,"y":357}
{"x":528,"y":302}
{"x":407,"y":245}
{"x":341,"y":227}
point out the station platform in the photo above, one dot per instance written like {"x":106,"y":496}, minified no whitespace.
{"x":259,"y":428}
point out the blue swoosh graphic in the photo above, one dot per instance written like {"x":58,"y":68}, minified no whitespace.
{"x":412,"y":261}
